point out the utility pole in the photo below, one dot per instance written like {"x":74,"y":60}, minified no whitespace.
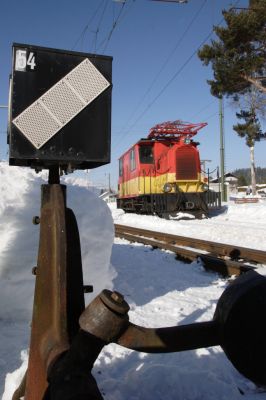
{"x":221,"y":114}
{"x":203,"y":163}
{"x":109,"y":182}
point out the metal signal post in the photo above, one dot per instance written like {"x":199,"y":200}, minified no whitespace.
{"x":59,"y":120}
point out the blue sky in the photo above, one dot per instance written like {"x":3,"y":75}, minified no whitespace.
{"x":157,"y":75}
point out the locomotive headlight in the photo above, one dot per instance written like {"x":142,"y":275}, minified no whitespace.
{"x":205,"y":187}
{"x":167,"y":187}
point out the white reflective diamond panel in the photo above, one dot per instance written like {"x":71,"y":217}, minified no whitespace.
{"x":30,"y":121}
{"x":61,"y":103}
{"x":96,"y":79}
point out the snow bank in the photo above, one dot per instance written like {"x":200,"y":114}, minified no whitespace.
{"x":14,"y":379}
{"x":19,"y":202}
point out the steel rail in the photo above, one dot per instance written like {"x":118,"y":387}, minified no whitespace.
{"x":221,"y":249}
{"x":220,"y":257}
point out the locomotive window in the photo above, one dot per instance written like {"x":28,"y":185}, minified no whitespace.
{"x":146,"y":154}
{"x":120,"y":166}
{"x":132,"y":160}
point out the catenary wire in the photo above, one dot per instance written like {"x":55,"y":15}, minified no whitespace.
{"x":170,"y":55}
{"x":84,"y":30}
{"x":99,"y":25}
{"x":171,"y":79}
{"x":114,"y":25}
{"x":165,"y":87}
{"x":202,"y":109}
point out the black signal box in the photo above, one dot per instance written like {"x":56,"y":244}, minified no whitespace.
{"x":59,"y":108}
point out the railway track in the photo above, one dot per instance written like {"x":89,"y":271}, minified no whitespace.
{"x":219,"y":257}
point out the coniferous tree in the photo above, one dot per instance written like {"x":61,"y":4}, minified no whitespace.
{"x":238,"y":60}
{"x":245,"y":174}
{"x":238,"y":56}
{"x":242,"y":181}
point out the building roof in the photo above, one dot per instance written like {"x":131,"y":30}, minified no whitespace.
{"x":229,"y":177}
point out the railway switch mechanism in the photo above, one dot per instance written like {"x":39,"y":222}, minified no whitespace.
{"x":59,"y":120}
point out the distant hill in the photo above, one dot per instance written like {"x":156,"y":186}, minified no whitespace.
{"x":243,"y":175}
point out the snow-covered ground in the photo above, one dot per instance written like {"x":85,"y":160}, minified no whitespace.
{"x":238,"y":224}
{"x":160,"y":290}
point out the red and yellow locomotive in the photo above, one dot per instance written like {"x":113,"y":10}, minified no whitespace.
{"x":162,"y":173}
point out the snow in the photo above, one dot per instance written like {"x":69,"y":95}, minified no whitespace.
{"x":161,"y":291}
{"x":239,"y":224}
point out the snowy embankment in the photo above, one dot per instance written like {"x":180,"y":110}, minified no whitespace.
{"x":238,"y":224}
{"x":160,"y":290}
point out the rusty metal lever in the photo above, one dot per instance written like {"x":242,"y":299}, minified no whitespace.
{"x":106,"y":317}
{"x":172,"y":339}
{"x":238,"y":326}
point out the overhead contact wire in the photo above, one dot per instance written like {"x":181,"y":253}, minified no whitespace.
{"x":87,"y":25}
{"x":99,"y":25}
{"x":166,"y":61}
{"x":173,"y":77}
{"x":115,"y":23}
